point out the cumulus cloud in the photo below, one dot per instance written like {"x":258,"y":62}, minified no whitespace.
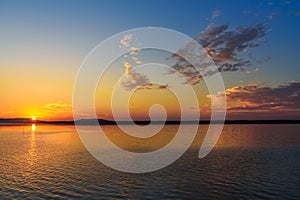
{"x":57,"y":108}
{"x":226,"y":47}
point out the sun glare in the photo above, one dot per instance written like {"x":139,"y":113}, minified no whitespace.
{"x":33,"y":127}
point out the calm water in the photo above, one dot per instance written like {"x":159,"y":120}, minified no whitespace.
{"x":249,"y":162}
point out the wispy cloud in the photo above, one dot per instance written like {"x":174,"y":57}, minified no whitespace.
{"x":126,"y":40}
{"x":215,"y":14}
{"x":129,"y":42}
{"x":135,"y":80}
{"x":57,"y":108}
{"x":7,"y":113}
{"x":151,"y":86}
{"x":226,"y":47}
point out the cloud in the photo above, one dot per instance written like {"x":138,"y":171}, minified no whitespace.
{"x":125,"y":41}
{"x":130,"y":44}
{"x":128,"y":68}
{"x":135,"y":80}
{"x":9,"y":112}
{"x":259,"y":101}
{"x":215,"y":14}
{"x":151,"y":86}
{"x":262,"y":98}
{"x":226,"y":47}
{"x":57,"y":108}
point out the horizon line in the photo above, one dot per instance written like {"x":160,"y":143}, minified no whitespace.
{"x":100,"y":121}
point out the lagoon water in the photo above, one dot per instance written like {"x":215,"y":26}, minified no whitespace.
{"x":248,"y":162}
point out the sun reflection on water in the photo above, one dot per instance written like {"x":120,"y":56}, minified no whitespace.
{"x":33,"y":127}
{"x":32,"y":156}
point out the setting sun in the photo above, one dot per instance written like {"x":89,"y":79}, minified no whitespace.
{"x":150,"y":100}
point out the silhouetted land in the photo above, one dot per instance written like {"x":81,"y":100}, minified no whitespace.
{"x":26,"y":121}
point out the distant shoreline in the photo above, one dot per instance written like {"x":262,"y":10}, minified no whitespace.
{"x":25,"y":121}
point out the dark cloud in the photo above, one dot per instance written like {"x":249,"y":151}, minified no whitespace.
{"x":258,"y":97}
{"x":259,"y":101}
{"x":151,"y":86}
{"x":226,"y":47}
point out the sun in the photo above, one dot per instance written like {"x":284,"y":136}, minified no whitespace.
{"x":33,"y":118}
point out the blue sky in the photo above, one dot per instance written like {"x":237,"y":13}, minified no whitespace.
{"x":72,"y":28}
{"x":51,"y":38}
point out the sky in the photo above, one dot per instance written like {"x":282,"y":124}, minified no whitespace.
{"x":255,"y":45}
